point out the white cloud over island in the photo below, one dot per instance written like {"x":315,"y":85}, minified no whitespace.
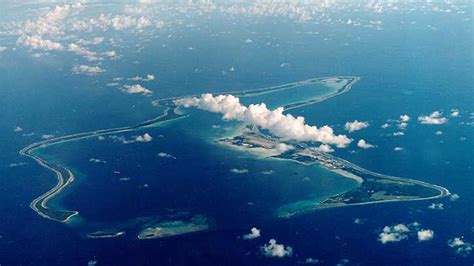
{"x":284,"y":126}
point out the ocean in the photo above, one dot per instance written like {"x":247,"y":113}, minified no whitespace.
{"x":404,"y":69}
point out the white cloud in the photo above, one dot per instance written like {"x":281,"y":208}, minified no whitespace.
{"x":454,"y":112}
{"x":134,"y":89}
{"x":93,"y":41}
{"x":364,"y":145}
{"x":400,"y":133}
{"x":17,"y":164}
{"x":436,"y":206}
{"x":47,"y":136}
{"x":37,"y":42}
{"x":402,"y":125}
{"x":425,"y":235}
{"x":268,"y":172}
{"x":89,"y":55}
{"x":325,"y":148}
{"x":385,"y":126}
{"x":404,"y":118}
{"x":95,"y":160}
{"x":355,"y":125}
{"x":394,"y":233}
{"x":60,"y":12}
{"x":2,"y":48}
{"x":18,"y":129}
{"x":460,"y":246}
{"x":145,"y":138}
{"x":273,"y":249}
{"x":111,"y":54}
{"x":398,"y":149}
{"x":165,"y":155}
{"x":311,"y":261}
{"x":254,"y":233}
{"x":88,"y":70}
{"x":439,"y":132}
{"x":435,"y":118}
{"x":239,"y":171}
{"x":281,"y":125}
{"x":148,"y":77}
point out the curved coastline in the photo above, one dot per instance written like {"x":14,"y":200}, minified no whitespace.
{"x":65,"y":177}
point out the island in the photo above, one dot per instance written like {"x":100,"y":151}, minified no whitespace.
{"x":372,"y":188}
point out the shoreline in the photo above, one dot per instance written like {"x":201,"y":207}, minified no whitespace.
{"x":171,"y":112}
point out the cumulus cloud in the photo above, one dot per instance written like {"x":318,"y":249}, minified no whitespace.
{"x":254,"y":233}
{"x":144,"y":138}
{"x":239,"y":171}
{"x":60,"y":12}
{"x":454,"y":112}
{"x":18,"y":129}
{"x":148,"y":77}
{"x":37,"y":42}
{"x":400,"y":133}
{"x":435,"y":118}
{"x":325,"y":148}
{"x":460,"y":246}
{"x":2,"y":48}
{"x":364,"y":145}
{"x":279,"y":124}
{"x":89,"y":55}
{"x":88,"y":70}
{"x":425,"y":235}
{"x":273,"y":249}
{"x":355,"y":125}
{"x":385,"y":126}
{"x":111,"y":54}
{"x":136,"y":89}
{"x":402,"y":125}
{"x":93,"y":41}
{"x":398,"y":149}
{"x":404,"y":118}
{"x":394,"y":233}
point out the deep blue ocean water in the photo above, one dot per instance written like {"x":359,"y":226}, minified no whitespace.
{"x":403,"y":69}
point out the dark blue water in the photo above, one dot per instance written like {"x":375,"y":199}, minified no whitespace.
{"x":405,"y":69}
